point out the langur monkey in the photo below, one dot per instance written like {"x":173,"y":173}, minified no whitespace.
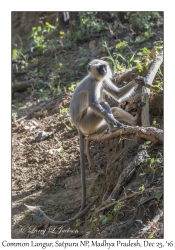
{"x":91,"y":114}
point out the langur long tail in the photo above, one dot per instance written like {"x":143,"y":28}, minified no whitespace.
{"x":83,"y":181}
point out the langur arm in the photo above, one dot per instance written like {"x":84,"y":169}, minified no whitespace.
{"x":124,"y":93}
{"x":102,"y":112}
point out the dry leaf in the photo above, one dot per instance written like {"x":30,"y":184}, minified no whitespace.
{"x":153,"y":53}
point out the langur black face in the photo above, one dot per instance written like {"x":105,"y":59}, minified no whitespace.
{"x":102,"y":69}
{"x":99,"y":69}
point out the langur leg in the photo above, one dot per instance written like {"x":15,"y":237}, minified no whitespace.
{"x":90,"y":122}
{"x":111,"y":126}
{"x":124,"y":116}
{"x":138,"y":115}
{"x":104,"y":124}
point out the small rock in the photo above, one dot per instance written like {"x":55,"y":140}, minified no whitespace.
{"x":29,"y":128}
{"x":32,"y":122}
{"x":54,"y":151}
{"x":42,"y":135}
{"x":28,"y":199}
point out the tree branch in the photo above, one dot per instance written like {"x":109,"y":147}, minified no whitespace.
{"x":145,"y":91}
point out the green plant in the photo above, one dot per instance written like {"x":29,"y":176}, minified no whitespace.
{"x":60,"y":145}
{"x":158,"y":85}
{"x":72,"y":86}
{"x":37,"y":34}
{"x":142,"y":20}
{"x":55,"y":85}
{"x":105,"y":218}
{"x":158,"y":46}
{"x":14,"y":165}
{"x":89,"y":24}
{"x":64,"y":111}
{"x":38,"y":38}
{"x":14,"y":116}
{"x":145,"y":145}
{"x":40,"y":95}
{"x":83,"y":64}
{"x":113,"y":59}
{"x":102,"y":219}
{"x":141,"y":188}
{"x":40,"y":183}
{"x":152,"y":162}
{"x":143,"y":59}
{"x":122,"y":45}
{"x":78,"y":222}
{"x":87,"y":235}
{"x":158,"y":194}
{"x":150,"y":236}
{"x":19,"y":56}
{"x":19,"y":104}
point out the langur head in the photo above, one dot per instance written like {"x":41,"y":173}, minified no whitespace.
{"x":99,"y":69}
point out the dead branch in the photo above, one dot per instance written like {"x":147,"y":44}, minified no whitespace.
{"x":152,"y":223}
{"x":149,"y":133}
{"x":153,"y":189}
{"x":147,"y":85}
{"x":145,"y":91}
{"x":20,"y":86}
{"x":139,"y":131}
{"x":126,"y":175}
{"x":127,"y":75}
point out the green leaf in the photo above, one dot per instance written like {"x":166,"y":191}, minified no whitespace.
{"x":104,"y":221}
{"x":152,"y":160}
{"x":142,"y":199}
{"x":60,"y":64}
{"x":14,"y":53}
{"x":141,"y":174}
{"x":69,"y":128}
{"x":47,"y":24}
{"x":39,"y":28}
{"x":159,"y":160}
{"x":78,"y":222}
{"x":140,"y":39}
{"x":151,"y":236}
{"x":158,"y":195}
{"x":153,"y":169}
{"x":109,"y":216}
{"x":62,"y":33}
{"x":147,"y":142}
{"x":132,"y":58}
{"x":154,"y":122}
{"x":141,"y":188}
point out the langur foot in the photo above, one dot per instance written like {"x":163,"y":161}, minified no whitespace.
{"x":114,"y":128}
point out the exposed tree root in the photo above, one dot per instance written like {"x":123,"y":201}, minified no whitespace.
{"x":134,"y":195}
{"x":148,"y":133}
{"x":146,"y":92}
